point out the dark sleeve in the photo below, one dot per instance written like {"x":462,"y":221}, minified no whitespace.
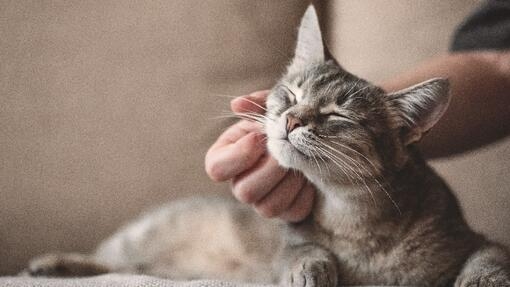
{"x":488,"y":28}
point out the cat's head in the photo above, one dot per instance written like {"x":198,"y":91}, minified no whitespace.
{"x":334,"y":126}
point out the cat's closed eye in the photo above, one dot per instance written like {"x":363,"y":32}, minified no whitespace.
{"x":290,"y":95}
{"x":335,"y":115}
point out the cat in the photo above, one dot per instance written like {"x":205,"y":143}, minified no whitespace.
{"x":382,"y":216}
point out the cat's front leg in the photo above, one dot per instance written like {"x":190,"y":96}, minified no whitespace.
{"x":488,"y":267}
{"x":309,"y":265}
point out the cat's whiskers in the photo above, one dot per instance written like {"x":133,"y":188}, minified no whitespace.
{"x":359,"y":177}
{"x":338,"y":161}
{"x":316,"y":162}
{"x":320,"y":155}
{"x":316,"y":154}
{"x":353,"y":150}
{"x":253,"y":103}
{"x":242,"y":117}
{"x":370,"y":173}
{"x":363,"y":157}
{"x":250,"y":116}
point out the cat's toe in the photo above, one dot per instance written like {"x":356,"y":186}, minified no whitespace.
{"x":496,"y":279}
{"x":311,"y":274}
{"x":47,"y":265}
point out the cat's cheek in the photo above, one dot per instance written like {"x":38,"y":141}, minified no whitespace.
{"x":276,"y":128}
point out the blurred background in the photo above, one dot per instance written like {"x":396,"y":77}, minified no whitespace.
{"x":108,"y":107}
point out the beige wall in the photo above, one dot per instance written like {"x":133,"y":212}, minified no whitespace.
{"x":106,"y":107}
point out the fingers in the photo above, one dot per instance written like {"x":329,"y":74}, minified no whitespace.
{"x":234,"y":133}
{"x":302,"y":205}
{"x":282,"y":196}
{"x":255,"y":183}
{"x":254,"y":102}
{"x":235,"y":151}
{"x":241,"y":145}
{"x":240,"y":154}
{"x":274,"y":191}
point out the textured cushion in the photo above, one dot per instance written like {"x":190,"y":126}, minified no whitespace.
{"x":114,"y":280}
{"x":117,"y":280}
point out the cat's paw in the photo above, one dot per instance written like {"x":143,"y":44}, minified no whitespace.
{"x":499,"y":278}
{"x":63,"y":265}
{"x":48,"y":265}
{"x":311,"y":273}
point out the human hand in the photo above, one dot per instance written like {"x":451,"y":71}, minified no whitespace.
{"x":240,"y":155}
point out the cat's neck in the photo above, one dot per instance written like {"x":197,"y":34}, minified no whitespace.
{"x":371,"y":207}
{"x":340,"y":208}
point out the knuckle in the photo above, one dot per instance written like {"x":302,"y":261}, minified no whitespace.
{"x":300,"y":214}
{"x":299,"y":211}
{"x":304,"y":211}
{"x":244,"y":194}
{"x":267,"y":210}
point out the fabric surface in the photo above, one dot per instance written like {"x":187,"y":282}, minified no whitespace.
{"x":117,"y":280}
{"x":486,"y":28}
{"x":114,"y":280}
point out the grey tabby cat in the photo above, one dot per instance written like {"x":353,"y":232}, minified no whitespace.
{"x":381,"y":217}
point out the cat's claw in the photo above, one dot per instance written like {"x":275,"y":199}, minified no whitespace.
{"x":312,"y":273}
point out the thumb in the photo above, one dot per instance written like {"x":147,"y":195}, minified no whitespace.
{"x":254,"y":102}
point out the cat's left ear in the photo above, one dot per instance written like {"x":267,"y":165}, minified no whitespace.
{"x":310,"y":46}
{"x":417,"y":109}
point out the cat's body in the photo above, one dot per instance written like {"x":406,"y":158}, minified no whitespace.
{"x":381,"y":215}
{"x":371,"y":242}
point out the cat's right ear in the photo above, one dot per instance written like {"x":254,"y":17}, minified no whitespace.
{"x":310,"y":46}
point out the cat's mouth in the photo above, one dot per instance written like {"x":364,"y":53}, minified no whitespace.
{"x":289,"y":149}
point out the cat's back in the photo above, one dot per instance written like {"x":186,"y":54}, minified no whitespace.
{"x":199,"y":237}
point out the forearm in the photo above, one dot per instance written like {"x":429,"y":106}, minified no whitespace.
{"x":479,"y":111}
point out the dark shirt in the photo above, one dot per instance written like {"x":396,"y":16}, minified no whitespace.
{"x":488,"y":28}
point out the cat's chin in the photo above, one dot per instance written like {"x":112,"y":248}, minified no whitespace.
{"x":289,"y":156}
{"x":286,"y":154}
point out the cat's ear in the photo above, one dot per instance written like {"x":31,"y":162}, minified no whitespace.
{"x":417,"y":109}
{"x":310,"y":46}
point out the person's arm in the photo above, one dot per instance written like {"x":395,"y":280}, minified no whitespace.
{"x":479,"y":112}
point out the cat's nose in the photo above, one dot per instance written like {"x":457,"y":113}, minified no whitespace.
{"x":292,"y":123}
